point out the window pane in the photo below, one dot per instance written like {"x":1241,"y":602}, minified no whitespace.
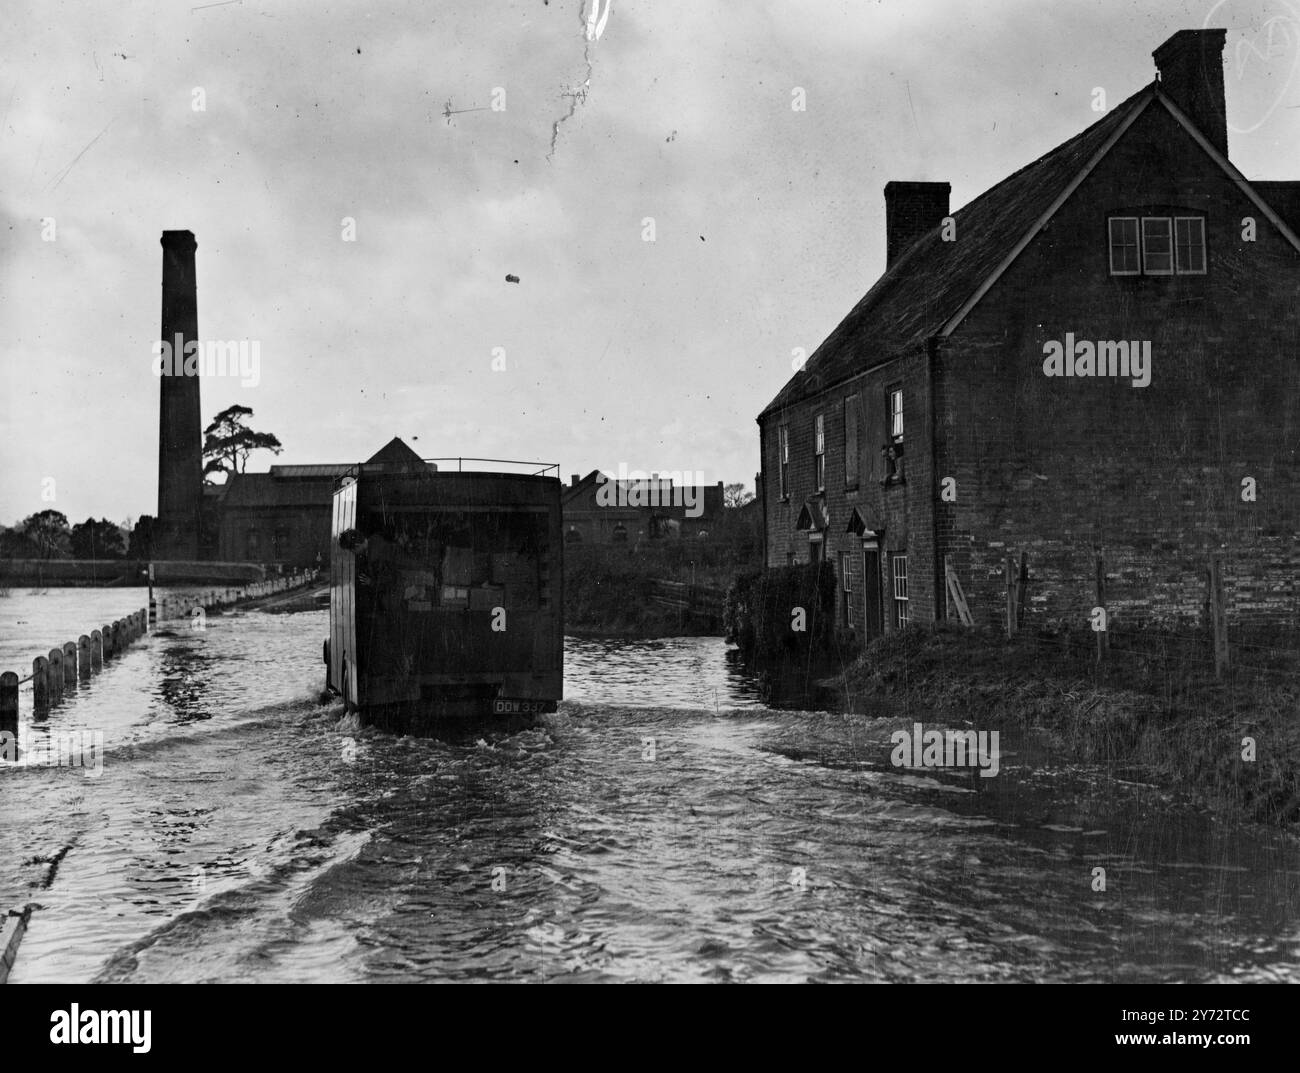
{"x":851,"y":440}
{"x":899,"y":563}
{"x":896,"y":414}
{"x":1157,"y":246}
{"x":1124,"y":246}
{"x":1189,"y":235}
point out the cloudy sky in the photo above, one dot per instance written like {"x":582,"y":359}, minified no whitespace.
{"x":768,"y":221}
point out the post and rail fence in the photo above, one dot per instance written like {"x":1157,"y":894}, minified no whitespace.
{"x":1017,"y":580}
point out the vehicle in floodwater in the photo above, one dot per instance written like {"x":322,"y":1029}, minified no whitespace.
{"x":446,"y":591}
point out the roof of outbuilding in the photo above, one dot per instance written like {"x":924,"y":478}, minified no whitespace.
{"x":931,"y":282}
{"x":264,"y":490}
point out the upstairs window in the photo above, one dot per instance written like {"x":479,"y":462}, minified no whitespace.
{"x":783,"y":459}
{"x":819,"y":431}
{"x":1189,"y":245}
{"x":851,"y":442}
{"x":896,"y":415}
{"x":1157,"y":245}
{"x":1124,"y":259}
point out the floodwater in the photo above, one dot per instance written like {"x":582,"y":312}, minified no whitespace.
{"x":663,"y":825}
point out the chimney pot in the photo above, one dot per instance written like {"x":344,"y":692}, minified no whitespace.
{"x":912,"y":209}
{"x":1191,"y":75}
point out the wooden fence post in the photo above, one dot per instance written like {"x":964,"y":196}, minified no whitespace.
{"x":96,"y":650}
{"x":9,"y":707}
{"x":40,"y":683}
{"x":83,"y":656}
{"x":106,"y":636}
{"x":1218,"y":616}
{"x":1103,"y":640}
{"x":55,"y":674}
{"x":70,"y":663}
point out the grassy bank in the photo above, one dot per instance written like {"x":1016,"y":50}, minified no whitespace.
{"x":607,"y":592}
{"x":1153,"y":704}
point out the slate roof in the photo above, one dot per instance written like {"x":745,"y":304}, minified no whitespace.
{"x":265,"y":490}
{"x":933,"y":279}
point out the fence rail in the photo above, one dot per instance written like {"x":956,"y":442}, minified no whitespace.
{"x":702,"y":601}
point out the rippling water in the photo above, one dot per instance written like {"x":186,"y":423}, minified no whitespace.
{"x":651,"y":830}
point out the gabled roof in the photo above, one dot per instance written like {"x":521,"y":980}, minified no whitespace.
{"x":934,"y":284}
{"x":929,"y":283}
{"x":396,"y":455}
{"x":812,"y":516}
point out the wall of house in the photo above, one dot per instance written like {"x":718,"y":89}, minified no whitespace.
{"x":304,"y":534}
{"x":594,"y":523}
{"x":900,"y":510}
{"x":1149,"y":477}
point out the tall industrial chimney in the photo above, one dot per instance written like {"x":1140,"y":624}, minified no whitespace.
{"x":180,"y":445}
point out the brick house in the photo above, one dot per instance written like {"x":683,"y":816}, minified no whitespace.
{"x":602,"y":510}
{"x":980,"y":402}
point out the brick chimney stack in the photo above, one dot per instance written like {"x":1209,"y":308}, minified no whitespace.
{"x":1191,"y":75}
{"x":912,"y":209}
{"x":180,"y":427}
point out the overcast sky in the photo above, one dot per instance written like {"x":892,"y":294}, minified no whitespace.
{"x":769,"y":222}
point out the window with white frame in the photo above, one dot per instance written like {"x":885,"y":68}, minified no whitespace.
{"x":896,"y":414}
{"x":899,"y":569}
{"x":1189,"y":245}
{"x":819,"y":432}
{"x":1124,"y":257}
{"x":1157,"y":245}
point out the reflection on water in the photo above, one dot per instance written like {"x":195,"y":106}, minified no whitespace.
{"x":663,"y":825}
{"x":668,"y":672}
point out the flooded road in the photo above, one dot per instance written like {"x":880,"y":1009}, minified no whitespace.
{"x":663,"y":825}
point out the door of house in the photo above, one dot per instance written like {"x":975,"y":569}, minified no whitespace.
{"x":872,"y":621}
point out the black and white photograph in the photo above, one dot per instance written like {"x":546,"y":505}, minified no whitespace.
{"x":626,"y":492}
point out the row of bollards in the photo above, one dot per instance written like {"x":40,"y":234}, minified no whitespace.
{"x":59,"y":672}
{"x":165,"y":607}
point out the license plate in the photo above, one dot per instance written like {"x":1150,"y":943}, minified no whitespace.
{"x":503,"y":706}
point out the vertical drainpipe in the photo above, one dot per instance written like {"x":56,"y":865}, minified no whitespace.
{"x":932,"y":368}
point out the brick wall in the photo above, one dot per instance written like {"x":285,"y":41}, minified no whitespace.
{"x":1150,"y":477}
{"x":900,"y":510}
